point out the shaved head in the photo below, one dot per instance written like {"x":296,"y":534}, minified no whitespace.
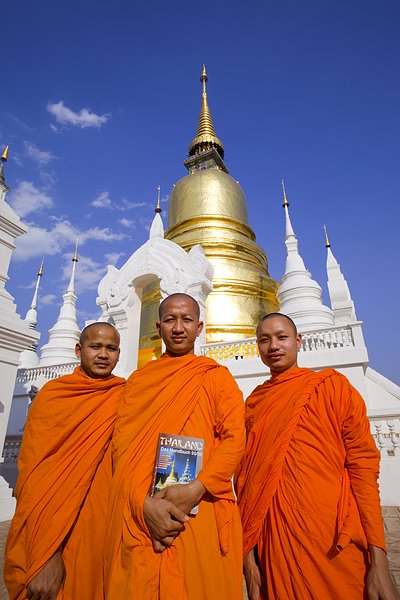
{"x":178,"y":296}
{"x":92,"y":326}
{"x":274,"y":316}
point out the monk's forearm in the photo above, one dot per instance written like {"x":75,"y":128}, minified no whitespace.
{"x":184,"y":497}
{"x":216,"y":475}
{"x":377,"y":554}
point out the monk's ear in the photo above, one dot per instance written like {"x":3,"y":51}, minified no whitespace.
{"x":298,"y":340}
{"x":158,"y":325}
{"x":78,"y":350}
{"x":200,"y":328}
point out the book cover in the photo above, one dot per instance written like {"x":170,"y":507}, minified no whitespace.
{"x":178,"y":460}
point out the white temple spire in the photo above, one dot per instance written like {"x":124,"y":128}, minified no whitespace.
{"x":65,"y":332}
{"x":31,"y":315}
{"x":341,"y":301}
{"x":157,"y":227}
{"x":299,"y":295}
{"x":71,"y":285}
{"x":29,"y":357}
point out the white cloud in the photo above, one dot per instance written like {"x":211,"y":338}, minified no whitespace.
{"x":127,"y":205}
{"x":48,"y":178}
{"x":87,"y":274}
{"x":27,"y":198}
{"x":103,"y":200}
{"x":42,"y":157}
{"x":47,"y":299}
{"x":40,"y":241}
{"x":112,"y":258}
{"x":87,"y":316}
{"x":126,"y":222}
{"x":84,"y":118}
{"x":103,"y":234}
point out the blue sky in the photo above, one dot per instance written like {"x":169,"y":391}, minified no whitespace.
{"x":99,"y":102}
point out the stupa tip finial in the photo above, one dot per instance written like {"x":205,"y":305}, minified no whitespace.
{"x":40,"y":272}
{"x":285,"y":200}
{"x":327,"y":244}
{"x":4,"y":156}
{"x":158,"y":208}
{"x":75,"y":256}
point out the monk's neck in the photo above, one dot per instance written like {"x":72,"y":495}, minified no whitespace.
{"x":287,"y":375}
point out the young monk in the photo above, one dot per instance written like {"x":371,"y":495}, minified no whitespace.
{"x":55,"y":543}
{"x":154,"y":550}
{"x":307,"y":486}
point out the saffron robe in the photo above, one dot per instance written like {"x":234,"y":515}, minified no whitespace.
{"x":196,"y":397}
{"x":307,"y":486}
{"x":63,"y":484}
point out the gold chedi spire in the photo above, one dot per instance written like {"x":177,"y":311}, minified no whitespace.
{"x":40,"y":272}
{"x":208,"y":207}
{"x":3,"y":186}
{"x":4,"y":156}
{"x":285,"y":200}
{"x":75,"y":256}
{"x":205,"y":136}
{"x":327,"y":244}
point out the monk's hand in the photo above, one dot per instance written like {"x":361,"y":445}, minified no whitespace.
{"x":379,"y":582}
{"x":47,"y":583}
{"x":164,"y":521}
{"x":184,"y":496}
{"x":252,"y":576}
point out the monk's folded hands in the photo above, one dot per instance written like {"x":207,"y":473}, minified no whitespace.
{"x":184,"y":497}
{"x":162,"y":518}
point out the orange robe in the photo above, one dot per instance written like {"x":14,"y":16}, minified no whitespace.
{"x":191,"y":396}
{"x":307,"y":486}
{"x":62,"y":489}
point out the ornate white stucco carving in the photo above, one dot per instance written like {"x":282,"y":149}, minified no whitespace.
{"x":120,"y":290}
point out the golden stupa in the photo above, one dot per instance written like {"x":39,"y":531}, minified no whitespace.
{"x":208,"y":207}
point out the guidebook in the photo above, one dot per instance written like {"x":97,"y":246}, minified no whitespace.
{"x":178,"y":460}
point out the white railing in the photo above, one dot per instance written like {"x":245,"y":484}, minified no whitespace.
{"x":385,"y":429}
{"x":330,"y":339}
{"x":51,"y":372}
{"x":312,"y":341}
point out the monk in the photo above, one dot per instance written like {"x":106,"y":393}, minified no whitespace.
{"x":307,"y":486}
{"x":55,"y":543}
{"x":154,"y":549}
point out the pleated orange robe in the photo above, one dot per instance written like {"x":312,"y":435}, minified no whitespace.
{"x":307,"y":486}
{"x":191,"y":396}
{"x":62,"y":489}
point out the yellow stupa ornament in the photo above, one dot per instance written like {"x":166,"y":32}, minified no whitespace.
{"x":4,"y":156}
